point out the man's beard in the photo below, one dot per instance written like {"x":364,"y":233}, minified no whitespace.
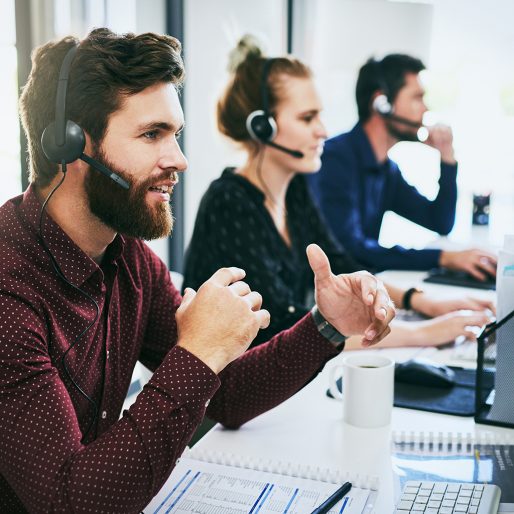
{"x":126,"y":211}
{"x":401,"y":135}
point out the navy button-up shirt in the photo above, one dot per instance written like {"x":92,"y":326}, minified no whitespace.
{"x":354,"y":190}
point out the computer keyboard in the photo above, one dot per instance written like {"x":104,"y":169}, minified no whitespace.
{"x":448,"y":498}
{"x":459,"y":278}
{"x":467,"y":351}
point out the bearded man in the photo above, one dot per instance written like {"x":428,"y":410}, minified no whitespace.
{"x":83,"y":298}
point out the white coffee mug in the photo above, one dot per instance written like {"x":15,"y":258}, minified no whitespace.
{"x":368,"y":389}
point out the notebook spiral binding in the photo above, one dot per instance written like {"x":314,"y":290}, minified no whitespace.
{"x":286,"y":468}
{"x":452,"y":438}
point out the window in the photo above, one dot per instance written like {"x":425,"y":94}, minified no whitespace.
{"x":10,"y":168}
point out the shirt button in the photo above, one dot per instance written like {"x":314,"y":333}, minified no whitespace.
{"x":207,"y":403}
{"x":291,"y":309}
{"x":107,"y":353}
{"x":104,"y":414}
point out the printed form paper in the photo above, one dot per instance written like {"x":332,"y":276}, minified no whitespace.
{"x":206,"y":488}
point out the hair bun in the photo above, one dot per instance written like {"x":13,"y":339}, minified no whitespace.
{"x":248,"y":47}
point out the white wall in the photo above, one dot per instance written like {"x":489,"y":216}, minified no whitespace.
{"x":58,"y":18}
{"x":212,"y":29}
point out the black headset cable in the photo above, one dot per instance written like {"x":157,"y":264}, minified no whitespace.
{"x":61,"y":275}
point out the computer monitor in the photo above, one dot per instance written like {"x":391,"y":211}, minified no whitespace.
{"x":494,"y":388}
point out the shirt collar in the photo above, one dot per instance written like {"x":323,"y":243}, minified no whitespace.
{"x":364,"y":150}
{"x":74,"y":263}
{"x":230,"y":174}
{"x":258,"y":195}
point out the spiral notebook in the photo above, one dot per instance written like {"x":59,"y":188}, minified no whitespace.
{"x":455,"y":457}
{"x":217,"y":483}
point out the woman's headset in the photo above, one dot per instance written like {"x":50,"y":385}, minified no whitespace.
{"x":260,"y":124}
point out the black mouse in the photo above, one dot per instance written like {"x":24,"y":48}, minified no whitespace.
{"x":425,"y":373}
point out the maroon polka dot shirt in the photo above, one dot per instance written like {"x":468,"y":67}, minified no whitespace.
{"x":44,"y":466}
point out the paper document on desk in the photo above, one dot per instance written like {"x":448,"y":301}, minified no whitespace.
{"x":204,"y":487}
{"x":504,"y":385}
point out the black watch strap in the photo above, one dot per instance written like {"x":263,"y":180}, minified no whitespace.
{"x":407,"y":296}
{"x":327,"y":330}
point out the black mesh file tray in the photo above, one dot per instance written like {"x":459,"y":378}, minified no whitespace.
{"x":496,"y":406}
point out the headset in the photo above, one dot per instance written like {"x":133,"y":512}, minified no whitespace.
{"x":63,"y":141}
{"x":260,"y":124}
{"x":382,"y":103}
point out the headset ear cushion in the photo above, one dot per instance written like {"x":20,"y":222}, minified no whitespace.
{"x":261,"y":126}
{"x":382,"y":105}
{"x":71,"y":150}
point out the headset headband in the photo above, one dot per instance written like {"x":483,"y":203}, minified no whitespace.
{"x":60,"y":98}
{"x":264,"y":85}
{"x":382,"y":84}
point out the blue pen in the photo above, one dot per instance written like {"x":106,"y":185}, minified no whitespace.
{"x":332,"y":500}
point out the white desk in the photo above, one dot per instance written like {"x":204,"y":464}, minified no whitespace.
{"x":308,"y":428}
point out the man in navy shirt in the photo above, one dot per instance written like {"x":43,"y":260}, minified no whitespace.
{"x":358,"y":183}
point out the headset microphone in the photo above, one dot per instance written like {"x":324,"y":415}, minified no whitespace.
{"x":63,"y":141}
{"x":382,"y":106}
{"x":294,"y":153}
{"x":260,"y":124}
{"x":98,"y":166}
{"x":405,"y":121}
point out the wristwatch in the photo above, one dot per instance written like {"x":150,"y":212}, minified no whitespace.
{"x":407,"y":296}
{"x":327,"y":330}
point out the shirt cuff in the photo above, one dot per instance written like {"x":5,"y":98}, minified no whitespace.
{"x":429,"y":258}
{"x":448,"y":171}
{"x":187,"y":378}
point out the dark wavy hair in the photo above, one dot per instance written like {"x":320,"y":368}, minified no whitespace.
{"x":106,"y":67}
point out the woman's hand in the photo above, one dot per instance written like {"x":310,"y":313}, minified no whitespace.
{"x":431,"y":307}
{"x":445,"y":329}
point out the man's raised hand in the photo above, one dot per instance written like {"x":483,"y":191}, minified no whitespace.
{"x":355,"y":303}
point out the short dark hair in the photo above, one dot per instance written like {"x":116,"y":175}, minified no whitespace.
{"x":389,"y":73}
{"x":106,"y":67}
